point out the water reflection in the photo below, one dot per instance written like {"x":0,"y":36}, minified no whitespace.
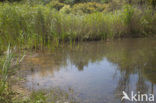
{"x":97,"y":71}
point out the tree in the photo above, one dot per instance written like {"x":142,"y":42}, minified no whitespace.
{"x":153,"y":3}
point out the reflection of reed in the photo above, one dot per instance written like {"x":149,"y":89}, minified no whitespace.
{"x":131,"y":56}
{"x":128,"y":54}
{"x":137,"y":59}
{"x":45,"y":64}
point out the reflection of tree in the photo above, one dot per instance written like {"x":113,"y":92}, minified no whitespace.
{"x":131,"y":56}
{"x":150,"y":68}
{"x":134,"y":59}
{"x":86,"y":52}
{"x":123,"y":83}
{"x":141,"y":85}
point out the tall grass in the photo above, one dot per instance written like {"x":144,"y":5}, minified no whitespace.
{"x":37,"y":26}
{"x":4,"y":70}
{"x":4,"y":89}
{"x":6,"y":63}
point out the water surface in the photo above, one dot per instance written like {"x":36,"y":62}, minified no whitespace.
{"x":96,"y":72}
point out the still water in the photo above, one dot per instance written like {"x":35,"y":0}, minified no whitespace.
{"x":96,"y":72}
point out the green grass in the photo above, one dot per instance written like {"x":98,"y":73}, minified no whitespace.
{"x":37,"y":26}
{"x":5,"y":94}
{"x":4,"y":70}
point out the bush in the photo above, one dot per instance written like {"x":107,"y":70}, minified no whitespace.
{"x":82,"y":1}
{"x":148,"y":22}
{"x":89,"y":7}
{"x":55,"y":4}
{"x":66,"y":9}
{"x":116,"y":5}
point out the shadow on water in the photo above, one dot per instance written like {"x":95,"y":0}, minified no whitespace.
{"x":97,"y":72}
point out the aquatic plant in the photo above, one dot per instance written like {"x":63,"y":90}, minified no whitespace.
{"x":4,"y":89}
{"x":4,"y":70}
{"x":38,"y":26}
{"x":6,"y":62}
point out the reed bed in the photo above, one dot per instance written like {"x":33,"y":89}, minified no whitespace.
{"x":36,"y":26}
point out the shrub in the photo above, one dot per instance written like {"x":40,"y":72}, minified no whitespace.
{"x":55,"y":4}
{"x":148,"y":22}
{"x":115,"y":5}
{"x":82,"y":1}
{"x":89,"y":7}
{"x":66,"y":9}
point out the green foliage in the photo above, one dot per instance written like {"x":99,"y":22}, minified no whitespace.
{"x":5,"y":94}
{"x":36,"y":97}
{"x":10,"y":0}
{"x":37,"y":26}
{"x":129,"y":11}
{"x":152,"y":2}
{"x":56,"y":4}
{"x":80,"y":1}
{"x":69,"y":1}
{"x":116,"y":5}
{"x":66,"y":9}
{"x":89,"y":7}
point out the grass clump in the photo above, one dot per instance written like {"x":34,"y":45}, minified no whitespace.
{"x":5,"y":93}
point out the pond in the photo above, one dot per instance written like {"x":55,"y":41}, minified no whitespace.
{"x":96,"y":72}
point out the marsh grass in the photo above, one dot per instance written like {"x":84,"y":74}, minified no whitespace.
{"x":40,"y":26}
{"x":5,"y":93}
{"x":7,"y":64}
{"x":4,"y":70}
